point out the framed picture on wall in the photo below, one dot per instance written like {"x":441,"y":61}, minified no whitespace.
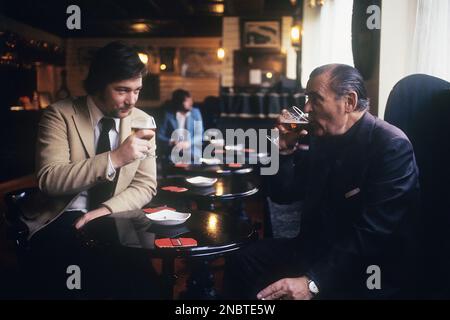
{"x":199,"y":63}
{"x":261,"y":34}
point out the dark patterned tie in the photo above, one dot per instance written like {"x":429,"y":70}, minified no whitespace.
{"x":102,"y":191}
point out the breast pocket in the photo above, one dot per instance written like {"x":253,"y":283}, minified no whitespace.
{"x":352,"y":202}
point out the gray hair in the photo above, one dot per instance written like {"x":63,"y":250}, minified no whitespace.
{"x":344,"y":79}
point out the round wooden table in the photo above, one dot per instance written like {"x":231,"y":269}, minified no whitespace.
{"x":208,"y":170}
{"x":216,"y":235}
{"x":226,"y":188}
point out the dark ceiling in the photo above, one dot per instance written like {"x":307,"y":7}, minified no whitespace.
{"x":161,"y":18}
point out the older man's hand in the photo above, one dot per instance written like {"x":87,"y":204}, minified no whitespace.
{"x":287,"y":289}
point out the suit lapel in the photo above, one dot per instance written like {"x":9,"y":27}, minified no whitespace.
{"x":348,"y":166}
{"x":129,"y":169}
{"x":352,"y":162}
{"x":350,"y":170}
{"x":83,"y":124}
{"x":125,"y":127}
{"x":320,"y":170}
{"x":173,"y":120}
{"x":190,"y":125}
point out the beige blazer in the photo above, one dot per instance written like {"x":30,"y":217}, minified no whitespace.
{"x":66,"y":163}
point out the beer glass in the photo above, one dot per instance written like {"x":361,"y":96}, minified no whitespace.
{"x":294,"y":120}
{"x":143,"y":124}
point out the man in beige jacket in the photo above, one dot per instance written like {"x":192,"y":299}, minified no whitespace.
{"x":88,"y":160}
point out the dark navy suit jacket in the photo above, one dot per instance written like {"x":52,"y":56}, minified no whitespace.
{"x":361,"y":195}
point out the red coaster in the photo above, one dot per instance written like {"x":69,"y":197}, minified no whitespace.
{"x":174,"y":189}
{"x":175,"y":243}
{"x":235,"y":165}
{"x":181,"y":165}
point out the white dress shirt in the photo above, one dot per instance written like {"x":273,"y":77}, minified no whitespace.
{"x":182,"y":134}
{"x":181,"y":119}
{"x":81,"y":202}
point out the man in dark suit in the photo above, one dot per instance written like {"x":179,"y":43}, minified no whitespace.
{"x":357,"y":238}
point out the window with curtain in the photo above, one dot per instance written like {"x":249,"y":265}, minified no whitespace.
{"x":415,"y":38}
{"x":431,"y":39}
{"x":327,"y":36}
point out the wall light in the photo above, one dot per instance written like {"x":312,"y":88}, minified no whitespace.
{"x":217,"y":8}
{"x":140,"y":27}
{"x":220,"y":53}
{"x":295,"y":35}
{"x":162,"y":67}
{"x":314,"y":3}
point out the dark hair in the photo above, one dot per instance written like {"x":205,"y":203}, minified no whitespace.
{"x":343,"y":79}
{"x":114,"y":62}
{"x":178,"y":97}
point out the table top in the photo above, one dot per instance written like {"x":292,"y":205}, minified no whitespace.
{"x":226,"y":188}
{"x":210,"y":170}
{"x":215,"y":233}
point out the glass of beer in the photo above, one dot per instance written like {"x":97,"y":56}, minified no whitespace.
{"x":294,"y":120}
{"x":143,"y":124}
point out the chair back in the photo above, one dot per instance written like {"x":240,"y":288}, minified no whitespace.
{"x":17,"y":203}
{"x":420,"y":105}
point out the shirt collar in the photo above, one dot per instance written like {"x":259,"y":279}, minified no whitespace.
{"x":330,"y":145}
{"x":97,"y":114}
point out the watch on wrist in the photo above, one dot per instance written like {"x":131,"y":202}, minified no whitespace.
{"x":313,"y":287}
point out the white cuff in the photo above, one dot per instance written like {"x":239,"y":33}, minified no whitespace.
{"x":111,"y":170}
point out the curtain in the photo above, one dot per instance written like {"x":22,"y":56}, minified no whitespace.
{"x":326,"y":35}
{"x":431,"y":39}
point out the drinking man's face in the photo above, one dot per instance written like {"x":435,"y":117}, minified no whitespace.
{"x":328,"y":113}
{"x":119,"y":98}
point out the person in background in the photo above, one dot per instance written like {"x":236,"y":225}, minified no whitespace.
{"x":182,"y":127}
